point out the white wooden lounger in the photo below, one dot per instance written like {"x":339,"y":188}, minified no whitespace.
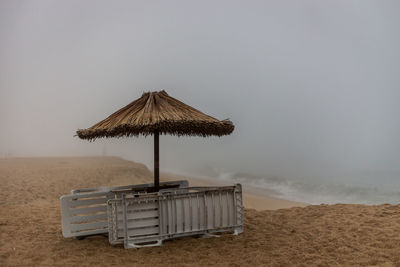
{"x":146,"y":220}
{"x":84,"y":212}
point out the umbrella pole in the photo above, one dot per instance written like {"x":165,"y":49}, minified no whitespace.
{"x":156,"y":160}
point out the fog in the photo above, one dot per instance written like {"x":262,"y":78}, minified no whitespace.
{"x":311,"y":86}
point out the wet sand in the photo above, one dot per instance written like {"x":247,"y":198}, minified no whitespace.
{"x":326,"y":235}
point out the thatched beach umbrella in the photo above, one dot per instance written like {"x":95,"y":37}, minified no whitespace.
{"x":157,"y":113}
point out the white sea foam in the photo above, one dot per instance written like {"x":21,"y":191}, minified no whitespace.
{"x":317,"y":191}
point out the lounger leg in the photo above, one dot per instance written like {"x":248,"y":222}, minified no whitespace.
{"x":133,"y":245}
{"x":207,"y":235}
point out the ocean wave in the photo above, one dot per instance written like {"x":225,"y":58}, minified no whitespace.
{"x":317,"y":191}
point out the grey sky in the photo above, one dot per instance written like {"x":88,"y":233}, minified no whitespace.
{"x":312,"y":86}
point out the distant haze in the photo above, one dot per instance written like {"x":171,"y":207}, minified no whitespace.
{"x":311,"y":86}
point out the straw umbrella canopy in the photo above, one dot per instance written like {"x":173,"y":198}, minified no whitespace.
{"x":156,"y":113}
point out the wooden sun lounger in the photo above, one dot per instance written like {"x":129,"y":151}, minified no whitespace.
{"x":146,"y":220}
{"x":84,"y":212}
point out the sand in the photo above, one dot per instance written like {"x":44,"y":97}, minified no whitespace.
{"x":325,"y":235}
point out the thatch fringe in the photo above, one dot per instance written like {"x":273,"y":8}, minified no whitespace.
{"x":157,"y":111}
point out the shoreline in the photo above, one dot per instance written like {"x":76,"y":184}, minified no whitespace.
{"x":253,"y":198}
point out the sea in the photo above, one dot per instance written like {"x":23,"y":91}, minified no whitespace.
{"x":372,"y":188}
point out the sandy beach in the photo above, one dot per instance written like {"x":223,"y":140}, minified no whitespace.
{"x":277,"y":232}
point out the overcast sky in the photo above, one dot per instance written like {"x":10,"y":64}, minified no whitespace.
{"x":311,"y":86}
